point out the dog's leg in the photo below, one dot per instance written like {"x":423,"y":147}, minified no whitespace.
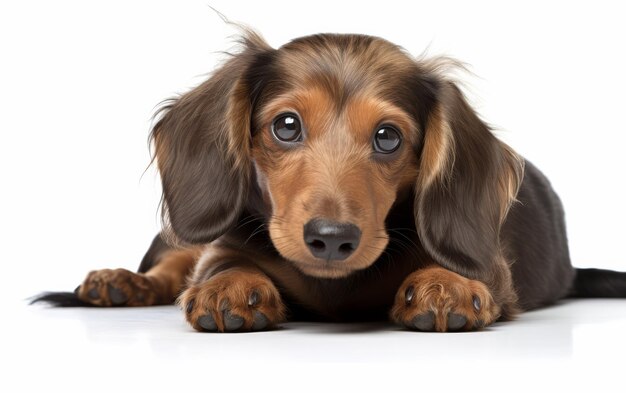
{"x":159,"y":281}
{"x":228,"y":292}
{"x":436,"y":299}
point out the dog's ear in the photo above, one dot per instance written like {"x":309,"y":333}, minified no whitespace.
{"x":467,"y":181}
{"x":202,"y":148}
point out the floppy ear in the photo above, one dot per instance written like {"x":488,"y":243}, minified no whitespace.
{"x":202,"y":147}
{"x":466,"y":184}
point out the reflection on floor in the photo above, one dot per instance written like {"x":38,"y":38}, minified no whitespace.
{"x":574,"y":335}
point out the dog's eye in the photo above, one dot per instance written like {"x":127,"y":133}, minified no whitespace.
{"x":387,"y":139}
{"x":287,"y":128}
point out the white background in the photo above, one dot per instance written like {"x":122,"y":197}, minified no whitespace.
{"x":80,"y":80}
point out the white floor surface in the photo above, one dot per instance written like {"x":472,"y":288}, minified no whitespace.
{"x":578,"y":344}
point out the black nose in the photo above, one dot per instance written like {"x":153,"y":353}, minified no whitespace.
{"x":331,"y":240}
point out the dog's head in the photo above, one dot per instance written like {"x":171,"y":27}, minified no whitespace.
{"x":330,"y":130}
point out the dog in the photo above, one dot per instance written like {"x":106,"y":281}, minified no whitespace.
{"x":338,"y":178}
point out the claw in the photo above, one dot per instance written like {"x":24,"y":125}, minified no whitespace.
{"x":408,"y":294}
{"x":254,"y":299}
{"x":189,"y":308}
{"x":476,"y":302}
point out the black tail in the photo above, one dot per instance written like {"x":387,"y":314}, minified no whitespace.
{"x":70,"y":299}
{"x":599,"y":283}
{"x":60,"y":299}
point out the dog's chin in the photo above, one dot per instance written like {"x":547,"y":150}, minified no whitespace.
{"x":324,"y":270}
{"x":328,"y":269}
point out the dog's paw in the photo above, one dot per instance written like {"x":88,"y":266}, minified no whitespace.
{"x":233,"y":300}
{"x":436,"y":299}
{"x":117,"y":287}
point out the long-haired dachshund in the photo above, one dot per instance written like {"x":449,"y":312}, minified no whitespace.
{"x":339,"y":178}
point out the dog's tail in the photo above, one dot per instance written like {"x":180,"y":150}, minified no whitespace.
{"x":599,"y":283}
{"x":60,"y":299}
{"x":70,"y":299}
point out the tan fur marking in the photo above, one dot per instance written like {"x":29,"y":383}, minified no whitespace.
{"x":281,"y":272}
{"x":160,"y":285}
{"x":335,"y":163}
{"x":438,"y":153}
{"x":134,"y":288}
{"x":230,"y":289}
{"x":171,"y":271}
{"x":443,"y":292}
{"x":509,"y":184}
{"x":238,"y":139}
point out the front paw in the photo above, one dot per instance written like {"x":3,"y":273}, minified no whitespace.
{"x":436,"y":299}
{"x":117,"y":287}
{"x":233,"y":300}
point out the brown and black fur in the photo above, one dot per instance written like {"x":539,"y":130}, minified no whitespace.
{"x":456,"y":230}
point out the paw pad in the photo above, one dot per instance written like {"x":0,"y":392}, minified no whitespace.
{"x":456,"y":321}
{"x":207,"y":323}
{"x":117,"y":296}
{"x":424,"y":322}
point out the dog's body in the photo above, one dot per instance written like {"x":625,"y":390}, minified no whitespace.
{"x":338,"y":178}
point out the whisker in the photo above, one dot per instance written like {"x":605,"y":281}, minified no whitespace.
{"x":248,"y":220}
{"x":407,"y":238}
{"x":402,"y":229}
{"x":258,"y":230}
